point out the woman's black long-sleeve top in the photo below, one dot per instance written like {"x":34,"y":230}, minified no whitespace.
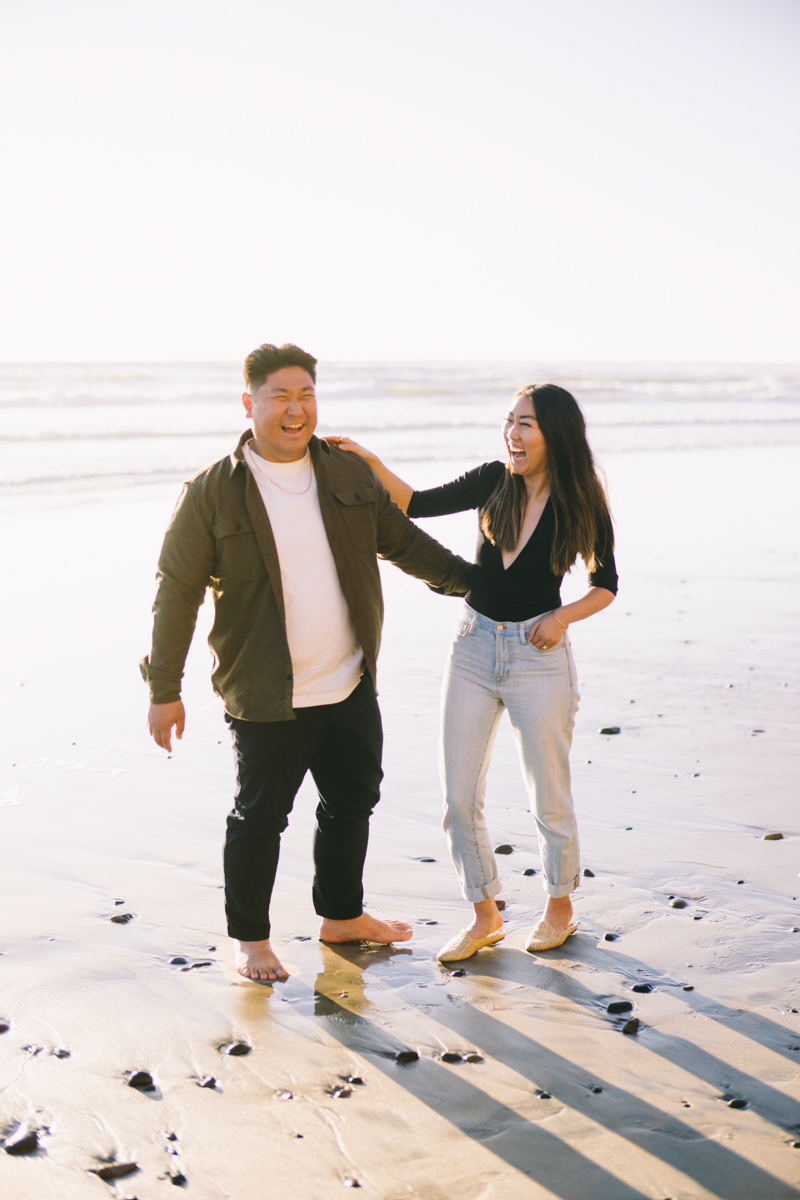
{"x":528,"y":587}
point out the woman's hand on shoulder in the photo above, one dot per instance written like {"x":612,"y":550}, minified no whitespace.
{"x":346,"y":443}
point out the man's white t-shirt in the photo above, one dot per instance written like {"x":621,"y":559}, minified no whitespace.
{"x":326,"y":656}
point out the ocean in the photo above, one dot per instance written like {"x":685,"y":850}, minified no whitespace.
{"x":79,"y":426}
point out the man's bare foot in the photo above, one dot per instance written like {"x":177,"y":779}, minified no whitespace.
{"x":487,"y":920}
{"x":256,"y":960}
{"x":364,"y":929}
{"x":558,"y":911}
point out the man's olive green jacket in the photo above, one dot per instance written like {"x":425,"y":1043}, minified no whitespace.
{"x":220,"y":538}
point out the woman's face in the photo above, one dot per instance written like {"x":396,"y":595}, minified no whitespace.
{"x":527,"y":449}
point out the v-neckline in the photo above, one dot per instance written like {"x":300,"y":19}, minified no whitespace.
{"x":525,"y":544}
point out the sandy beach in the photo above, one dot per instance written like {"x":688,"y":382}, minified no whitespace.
{"x":525,"y":1085}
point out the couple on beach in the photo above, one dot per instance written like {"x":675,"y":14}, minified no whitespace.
{"x":286,"y":532}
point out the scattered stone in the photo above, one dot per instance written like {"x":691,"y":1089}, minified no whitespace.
{"x":178,"y":1178}
{"x":33,"y":1050}
{"x":610,"y":937}
{"x":205,"y":963}
{"x":737,"y":1102}
{"x":422,"y":859}
{"x":122,"y":918}
{"x":207,"y":1081}
{"x":119,"y":901}
{"x":795,"y":1145}
{"x":642,"y":987}
{"x":356,"y":1080}
{"x":500,"y":904}
{"x":609,"y":729}
{"x":628,"y":828}
{"x":473,"y":1058}
{"x":695,"y":775}
{"x":740,"y":881}
{"x":285,"y":1096}
{"x":631,"y":1026}
{"x":504,"y":849}
{"x":114,"y":1171}
{"x":22,"y":1140}
{"x":4,"y":1026}
{"x":211,"y":949}
{"x":773,"y":837}
{"x":459,"y":971}
{"x":142,"y":1081}
{"x":406,"y":1056}
{"x":452,"y":1056}
{"x":697,"y":918}
{"x":60,"y":1053}
{"x":678,"y":902}
{"x":688,"y":987}
{"x":596,"y":1090}
{"x":178,"y":961}
{"x":587,"y":873}
{"x":542,"y":1094}
{"x":425,"y":921}
{"x":793,"y":929}
{"x":235,"y":1049}
{"x":619,"y":1006}
{"x":171,"y":1137}
{"x":529,"y":871}
{"x":350,"y":1182}
{"x":342,"y":1093}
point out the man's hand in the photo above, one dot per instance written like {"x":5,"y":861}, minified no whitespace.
{"x":160,"y":720}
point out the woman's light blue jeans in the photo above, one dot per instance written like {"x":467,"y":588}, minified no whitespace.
{"x":492,"y":667}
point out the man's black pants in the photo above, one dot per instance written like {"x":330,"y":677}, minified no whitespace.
{"x":341,"y":745}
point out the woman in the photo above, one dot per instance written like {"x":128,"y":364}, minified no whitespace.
{"x":538,"y":511}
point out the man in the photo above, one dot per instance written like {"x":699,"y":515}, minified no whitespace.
{"x":286,"y":532}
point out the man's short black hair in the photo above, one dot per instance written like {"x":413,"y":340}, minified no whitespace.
{"x":268,"y":359}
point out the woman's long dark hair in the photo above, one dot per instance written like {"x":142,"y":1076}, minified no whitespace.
{"x":583,"y":520}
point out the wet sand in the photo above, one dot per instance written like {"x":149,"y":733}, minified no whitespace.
{"x":696,"y":663}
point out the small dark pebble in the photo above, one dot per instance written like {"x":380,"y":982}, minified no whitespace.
{"x":406,"y":1056}
{"x":178,"y":961}
{"x":119,"y":901}
{"x":142,"y":1081}
{"x":644,"y":988}
{"x":628,"y":828}
{"x":740,"y":881}
{"x":425,"y":921}
{"x":23,"y":1140}
{"x":350,"y":1182}
{"x":794,"y":929}
{"x":122,"y":918}
{"x":178,"y":1179}
{"x":631,"y":1026}
{"x":342,"y":1093}
{"x":737,"y":1102}
{"x":689,"y":987}
{"x":451,"y":1056}
{"x":205,"y":963}
{"x":545,"y":1096}
{"x":211,"y":949}
{"x":171,"y":1137}
{"x":60,"y":1053}
{"x":235,"y":1049}
{"x":4,"y":1026}
{"x":610,"y":937}
{"x":500,"y":904}
{"x":697,"y":918}
{"x":773,"y":837}
{"x":504,"y":849}
{"x":596,"y":1090}
{"x":609,"y":729}
{"x":114,"y":1171}
{"x":587,"y":873}
{"x":356,"y":1080}
{"x":459,"y":971}
{"x":678,"y":902}
{"x":795,"y":1145}
{"x":207,"y":1081}
{"x":529,"y":871}
{"x":473,"y":1058}
{"x":422,"y":859}
{"x":619,"y":1006}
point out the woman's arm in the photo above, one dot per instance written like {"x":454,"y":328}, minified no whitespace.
{"x":548,"y":631}
{"x":397,"y":488}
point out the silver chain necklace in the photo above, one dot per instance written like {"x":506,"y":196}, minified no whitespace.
{"x":261,"y":471}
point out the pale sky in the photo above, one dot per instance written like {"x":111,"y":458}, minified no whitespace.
{"x":575,"y":180}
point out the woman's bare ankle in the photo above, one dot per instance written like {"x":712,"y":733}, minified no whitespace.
{"x":486,"y":920}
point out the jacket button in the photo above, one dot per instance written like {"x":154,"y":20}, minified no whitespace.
{"x":238,"y":525}
{"x":357,"y":497}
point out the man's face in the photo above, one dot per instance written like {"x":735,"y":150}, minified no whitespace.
{"x":284,"y":414}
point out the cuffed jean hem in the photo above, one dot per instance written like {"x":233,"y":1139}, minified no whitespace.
{"x":476,"y":894}
{"x":557,"y":890}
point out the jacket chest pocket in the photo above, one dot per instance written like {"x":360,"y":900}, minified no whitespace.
{"x":358,"y":510}
{"x":238,"y":555}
